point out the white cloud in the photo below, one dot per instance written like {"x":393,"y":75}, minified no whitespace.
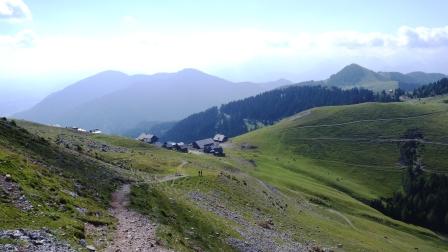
{"x":23,"y":39}
{"x":14,"y":10}
{"x":148,"y":52}
{"x":424,"y":37}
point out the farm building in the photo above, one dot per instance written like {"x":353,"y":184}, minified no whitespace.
{"x":181,"y":147}
{"x":79,"y":129}
{"x":170,"y":145}
{"x":214,"y":149}
{"x":220,"y":138}
{"x":147,"y":138}
{"x":200,"y":144}
{"x":95,"y":131}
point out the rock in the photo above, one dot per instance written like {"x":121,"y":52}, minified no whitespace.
{"x":83,"y":242}
{"x":39,"y":242}
{"x":34,"y":235}
{"x":91,"y":248}
{"x":17,"y":234}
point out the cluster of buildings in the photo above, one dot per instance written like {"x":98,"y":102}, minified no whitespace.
{"x":208,"y":145}
{"x":92,"y":131}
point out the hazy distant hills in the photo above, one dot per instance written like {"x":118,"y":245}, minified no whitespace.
{"x":120,"y":103}
{"x":355,"y":75}
{"x":116,"y":102}
{"x":238,"y":117}
{"x":57,"y":106}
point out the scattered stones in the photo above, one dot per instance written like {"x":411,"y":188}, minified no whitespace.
{"x":269,"y":224}
{"x":80,"y":143}
{"x":255,"y":237}
{"x":32,"y":241}
{"x":97,"y":233}
{"x":14,"y":194}
{"x":81,"y":210}
{"x":83,"y":242}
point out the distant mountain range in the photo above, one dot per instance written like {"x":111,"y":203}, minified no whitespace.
{"x":239,"y":117}
{"x":125,"y":104}
{"x":116,"y":102}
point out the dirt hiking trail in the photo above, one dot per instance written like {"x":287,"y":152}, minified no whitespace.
{"x":134,"y":231}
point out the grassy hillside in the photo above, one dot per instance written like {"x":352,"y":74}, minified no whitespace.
{"x":298,"y":185}
{"x":50,"y":187}
{"x":339,"y":157}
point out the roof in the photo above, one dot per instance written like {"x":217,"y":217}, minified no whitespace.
{"x":145,"y":136}
{"x":204,"y":142}
{"x":170,"y":144}
{"x":219,"y":137}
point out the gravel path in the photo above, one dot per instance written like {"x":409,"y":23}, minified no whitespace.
{"x":134,"y":231}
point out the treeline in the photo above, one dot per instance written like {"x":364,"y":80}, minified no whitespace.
{"x":437,"y":88}
{"x":423,"y":197}
{"x":393,"y":96}
{"x":239,"y":117}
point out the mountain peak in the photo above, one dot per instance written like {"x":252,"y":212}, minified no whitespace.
{"x":109,"y":73}
{"x":354,"y":67}
{"x":353,"y":74}
{"x":191,"y":71}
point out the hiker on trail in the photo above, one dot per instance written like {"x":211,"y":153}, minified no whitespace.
{"x":200,"y":173}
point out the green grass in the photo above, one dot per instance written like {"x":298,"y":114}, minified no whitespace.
{"x":310,"y":184}
{"x":183,"y":226}
{"x":57,"y":182}
{"x":376,"y":86}
{"x":52,"y":207}
{"x":341,"y":174}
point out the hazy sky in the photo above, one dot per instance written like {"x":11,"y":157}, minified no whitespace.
{"x":45,"y":42}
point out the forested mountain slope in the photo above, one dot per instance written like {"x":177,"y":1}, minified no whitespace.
{"x":241,"y":116}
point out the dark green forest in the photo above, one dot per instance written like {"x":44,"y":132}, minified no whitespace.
{"x":241,"y":116}
{"x":423,"y":197}
{"x":437,"y":88}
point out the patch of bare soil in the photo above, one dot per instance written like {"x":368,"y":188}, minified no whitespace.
{"x":134,"y":231}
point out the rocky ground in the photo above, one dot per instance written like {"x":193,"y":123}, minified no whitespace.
{"x":32,"y":241}
{"x":134,"y":231}
{"x":79,"y":143}
{"x":10,"y":192}
{"x":256,"y":237}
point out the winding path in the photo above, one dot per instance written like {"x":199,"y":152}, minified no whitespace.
{"x":134,"y":231}
{"x":343,"y":217}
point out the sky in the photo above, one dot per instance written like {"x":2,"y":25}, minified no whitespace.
{"x":46,"y":44}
